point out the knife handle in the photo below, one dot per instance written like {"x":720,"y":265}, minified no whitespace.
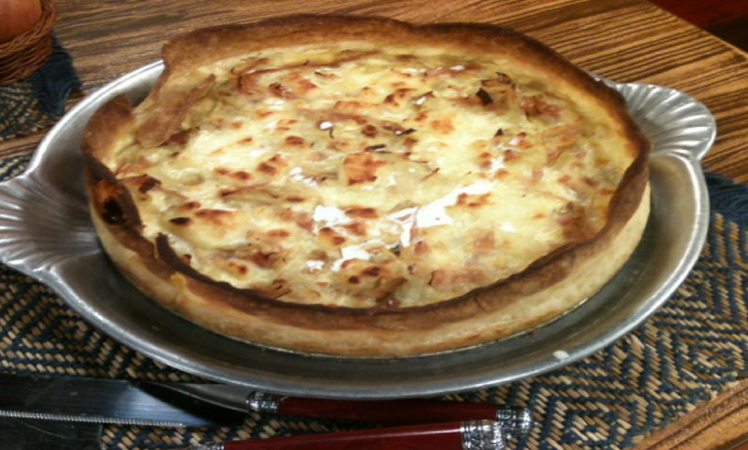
{"x":469,"y":435}
{"x":514,"y":421}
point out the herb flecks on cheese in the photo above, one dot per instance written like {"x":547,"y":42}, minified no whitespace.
{"x":370,"y":177}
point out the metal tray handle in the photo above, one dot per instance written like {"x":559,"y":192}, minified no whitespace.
{"x":675,"y":122}
{"x":41,"y":226}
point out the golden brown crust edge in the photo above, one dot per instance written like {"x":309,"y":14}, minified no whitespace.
{"x":328,"y":331}
{"x":247,"y":315}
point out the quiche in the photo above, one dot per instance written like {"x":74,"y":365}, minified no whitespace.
{"x":364,"y":187}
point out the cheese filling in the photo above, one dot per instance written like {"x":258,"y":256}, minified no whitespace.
{"x":372,"y":177}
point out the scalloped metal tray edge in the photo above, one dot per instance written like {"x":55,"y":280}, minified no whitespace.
{"x":45,"y":233}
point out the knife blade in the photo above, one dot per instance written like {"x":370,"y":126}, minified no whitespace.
{"x":93,"y":400}
{"x":23,"y":434}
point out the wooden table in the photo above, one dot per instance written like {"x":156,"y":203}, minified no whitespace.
{"x":624,"y":40}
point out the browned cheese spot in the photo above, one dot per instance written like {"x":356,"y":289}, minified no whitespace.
{"x":502,"y":174}
{"x":362,"y":213}
{"x":537,"y":106}
{"x":294,"y":141}
{"x":484,"y":241}
{"x":443,"y":126}
{"x":179,"y":139}
{"x":398,"y":96}
{"x":190,"y":206}
{"x":573,"y":220}
{"x":331,"y":236}
{"x":242,"y":175}
{"x":215,"y":216}
{"x":447,"y":277}
{"x":272,"y":166}
{"x":278,"y":234}
{"x":239,"y":175}
{"x":511,"y":155}
{"x":362,"y":167}
{"x":369,"y":131}
{"x":372,"y":271}
{"x":356,"y":228}
{"x":241,"y":269}
{"x":265,"y":260}
{"x":281,"y":91}
{"x":421,"y":248}
{"x":144,"y":182}
{"x":473,"y":201}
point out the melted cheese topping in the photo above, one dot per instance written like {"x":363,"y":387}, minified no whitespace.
{"x":372,"y":177}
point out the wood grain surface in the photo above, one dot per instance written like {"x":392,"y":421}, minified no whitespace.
{"x":721,"y":424}
{"x":624,"y":40}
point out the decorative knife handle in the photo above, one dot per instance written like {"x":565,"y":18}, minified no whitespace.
{"x":514,"y":422}
{"x":470,"y":435}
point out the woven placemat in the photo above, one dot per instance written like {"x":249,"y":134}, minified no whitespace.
{"x":694,"y":347}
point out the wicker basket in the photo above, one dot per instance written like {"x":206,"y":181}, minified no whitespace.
{"x":27,"y":52}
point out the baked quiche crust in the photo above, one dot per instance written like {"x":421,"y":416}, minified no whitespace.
{"x":365,"y":187}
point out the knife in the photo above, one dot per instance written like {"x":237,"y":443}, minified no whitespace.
{"x":196,"y":404}
{"x":469,"y":435}
{"x":514,"y":422}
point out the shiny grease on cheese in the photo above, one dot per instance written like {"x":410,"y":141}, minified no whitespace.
{"x":372,"y":177}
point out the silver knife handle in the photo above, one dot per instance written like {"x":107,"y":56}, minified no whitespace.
{"x":482,"y":435}
{"x":263,"y":402}
{"x":211,"y":446}
{"x":516,"y":422}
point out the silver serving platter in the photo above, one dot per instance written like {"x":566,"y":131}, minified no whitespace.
{"x":45,"y":232}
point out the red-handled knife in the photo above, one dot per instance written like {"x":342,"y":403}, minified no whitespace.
{"x":79,"y":399}
{"x":469,"y":435}
{"x":514,"y":422}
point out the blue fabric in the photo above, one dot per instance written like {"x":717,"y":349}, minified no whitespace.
{"x":730,"y":199}
{"x":55,"y":81}
{"x":34,"y":104}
